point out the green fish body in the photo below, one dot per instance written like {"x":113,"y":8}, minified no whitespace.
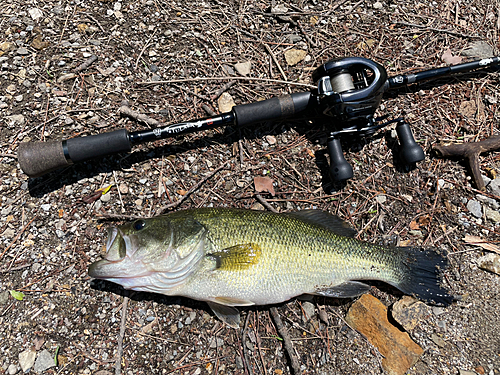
{"x":232,"y":257}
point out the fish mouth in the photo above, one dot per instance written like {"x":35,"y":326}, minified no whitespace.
{"x":116,"y":248}
{"x":117,"y":262}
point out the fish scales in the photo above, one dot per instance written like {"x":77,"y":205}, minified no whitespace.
{"x":296,"y":257}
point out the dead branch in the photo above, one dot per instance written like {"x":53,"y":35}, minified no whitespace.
{"x":470,"y":152}
{"x":85,"y":64}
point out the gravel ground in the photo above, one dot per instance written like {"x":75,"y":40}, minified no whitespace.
{"x":170,"y":61}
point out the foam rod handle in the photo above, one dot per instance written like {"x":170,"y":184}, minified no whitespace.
{"x":38,"y":158}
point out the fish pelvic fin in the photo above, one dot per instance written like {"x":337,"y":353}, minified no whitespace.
{"x":228,"y":314}
{"x":422,"y":270}
{"x":237,"y":258}
{"x":348,"y":289}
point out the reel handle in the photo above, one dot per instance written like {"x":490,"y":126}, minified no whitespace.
{"x":410,"y":151}
{"x":340,"y":169}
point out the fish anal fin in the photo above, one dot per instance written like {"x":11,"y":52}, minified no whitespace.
{"x":348,"y":289}
{"x":228,"y":314}
{"x":231,"y":301}
{"x":237,"y":258}
{"x":326,"y":220}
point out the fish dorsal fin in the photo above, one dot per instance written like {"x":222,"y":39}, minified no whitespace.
{"x":349,"y":289}
{"x":228,"y":314}
{"x":237,"y":258}
{"x":326,"y":220}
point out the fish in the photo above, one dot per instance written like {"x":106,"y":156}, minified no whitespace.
{"x":231,"y":258}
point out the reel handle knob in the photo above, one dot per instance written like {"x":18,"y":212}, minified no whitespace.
{"x":340,"y":169}
{"x":410,"y":151}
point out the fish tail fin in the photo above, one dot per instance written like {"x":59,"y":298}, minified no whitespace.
{"x":422,"y":275}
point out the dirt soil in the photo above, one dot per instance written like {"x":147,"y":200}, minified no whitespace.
{"x":172,"y":61}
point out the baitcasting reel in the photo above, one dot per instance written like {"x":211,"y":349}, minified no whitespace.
{"x":348,"y":94}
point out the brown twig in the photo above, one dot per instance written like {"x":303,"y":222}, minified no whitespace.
{"x":194,"y":188}
{"x":294,"y":362}
{"x":470,"y":151}
{"x":125,"y":110}
{"x":223,"y":78}
{"x":119,"y":352}
{"x":85,"y":64}
{"x":17,"y":237}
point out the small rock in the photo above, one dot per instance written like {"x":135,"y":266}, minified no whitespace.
{"x":16,"y":119}
{"x":12,"y":369}
{"x":438,"y":340}
{"x":490,"y":262}
{"x":378,"y":5}
{"x":271,"y":139}
{"x":294,"y":38}
{"x":11,"y":89}
{"x":243,"y":68}
{"x":22,"y":51}
{"x":489,"y":201}
{"x":216,"y":343}
{"x":123,"y":188}
{"x":294,"y":56}
{"x":239,"y":363}
{"x":369,"y":316}
{"x":493,"y":215}
{"x":4,"y":297}
{"x":475,"y":208}
{"x":494,"y":186}
{"x":438,"y":310}
{"x":307,"y":311}
{"x":479,"y":49}
{"x":45,"y":207}
{"x":27,"y":359}
{"x":228,"y":69}
{"x":44,"y":361}
{"x":279,"y":8}
{"x":381,"y":199}
{"x":35,"y":13}
{"x":408,"y":312}
{"x":106,"y":197}
{"x":225,"y":102}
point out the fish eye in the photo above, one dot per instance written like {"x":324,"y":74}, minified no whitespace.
{"x":139,"y":224}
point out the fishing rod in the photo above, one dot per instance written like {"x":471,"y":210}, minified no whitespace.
{"x":349,"y":91}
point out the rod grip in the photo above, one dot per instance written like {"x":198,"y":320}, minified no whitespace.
{"x":271,"y":109}
{"x":39,"y":158}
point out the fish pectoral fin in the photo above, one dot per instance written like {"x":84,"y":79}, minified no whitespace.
{"x":326,"y":220}
{"x":236,"y":258}
{"x":228,"y":314}
{"x":349,"y":289}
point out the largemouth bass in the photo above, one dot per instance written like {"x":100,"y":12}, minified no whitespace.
{"x":233,"y":257}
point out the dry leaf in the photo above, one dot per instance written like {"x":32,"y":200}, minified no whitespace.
{"x":264,"y":184}
{"x":474,"y":240}
{"x":38,"y":342}
{"x":414,"y":225}
{"x":468,"y":108}
{"x":450,"y":59}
